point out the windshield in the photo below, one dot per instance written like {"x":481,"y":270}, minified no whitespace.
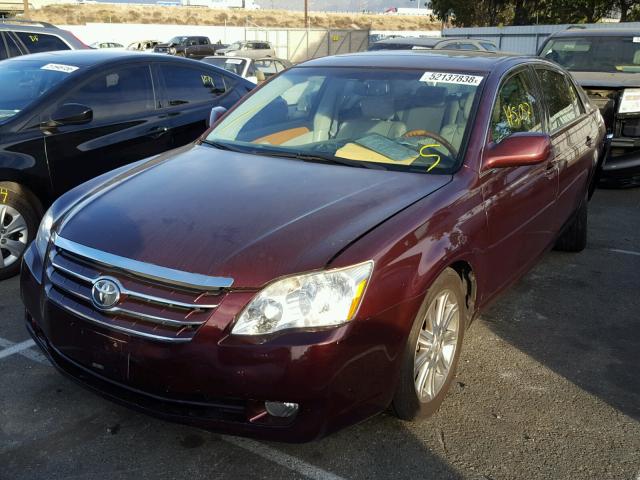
{"x":24,"y":82}
{"x":235,"y":46}
{"x":389,"y":119}
{"x":595,"y":54}
{"x":234,"y":65}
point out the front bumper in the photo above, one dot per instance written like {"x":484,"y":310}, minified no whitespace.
{"x":622,"y":170}
{"x":219,"y":382}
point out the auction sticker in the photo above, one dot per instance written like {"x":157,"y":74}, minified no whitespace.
{"x":57,"y":67}
{"x":636,"y":39}
{"x":455,"y":78}
{"x":234,"y":61}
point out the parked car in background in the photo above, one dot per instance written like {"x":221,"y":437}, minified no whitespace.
{"x":143,"y":45}
{"x":112,"y":45}
{"x":431,"y":43}
{"x":67,"y":117}
{"x":606,"y":63}
{"x":255,"y":71}
{"x":249,"y":49}
{"x":21,"y":37}
{"x":319,"y":255}
{"x":189,"y":47}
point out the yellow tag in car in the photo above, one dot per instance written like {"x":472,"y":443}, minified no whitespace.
{"x":4,"y":194}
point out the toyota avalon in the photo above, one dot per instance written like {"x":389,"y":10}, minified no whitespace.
{"x":317,"y":257}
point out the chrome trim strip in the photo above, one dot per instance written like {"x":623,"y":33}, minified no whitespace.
{"x":151,"y":318}
{"x":128,"y":331}
{"x":71,"y":273}
{"x":145,"y":270}
{"x":140,"y":296}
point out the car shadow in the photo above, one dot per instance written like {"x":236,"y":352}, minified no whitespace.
{"x":577,"y":314}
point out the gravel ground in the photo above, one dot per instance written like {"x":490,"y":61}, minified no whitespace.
{"x":548,"y":388}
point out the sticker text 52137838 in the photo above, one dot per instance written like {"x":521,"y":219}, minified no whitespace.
{"x":456,"y":78}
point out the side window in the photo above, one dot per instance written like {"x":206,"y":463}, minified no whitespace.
{"x":3,"y":48}
{"x":489,"y":47}
{"x":12,"y":47}
{"x":562,"y":99}
{"x":468,"y":46}
{"x":186,"y":85}
{"x":116,"y":92}
{"x":39,"y":42}
{"x":515,"y":110}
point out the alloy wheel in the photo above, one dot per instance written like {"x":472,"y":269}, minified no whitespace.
{"x":436,"y":345}
{"x":13,"y":235}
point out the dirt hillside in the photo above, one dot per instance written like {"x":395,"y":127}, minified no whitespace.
{"x":94,"y":13}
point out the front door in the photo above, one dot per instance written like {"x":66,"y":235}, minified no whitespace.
{"x":519,"y":201}
{"x":126,"y":127}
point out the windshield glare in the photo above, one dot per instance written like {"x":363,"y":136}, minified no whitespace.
{"x":234,"y":65}
{"x":24,"y":82}
{"x":177,"y":40}
{"x":385,"y":119}
{"x":595,"y":54}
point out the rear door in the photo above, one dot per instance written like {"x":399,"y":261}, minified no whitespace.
{"x":127,"y":126}
{"x":573,"y":137}
{"x":190,"y":92}
{"x":519,"y":201}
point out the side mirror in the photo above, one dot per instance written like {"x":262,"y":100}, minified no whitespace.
{"x":260,"y":77}
{"x":71,"y":114}
{"x":518,"y":150}
{"x":215,"y":115}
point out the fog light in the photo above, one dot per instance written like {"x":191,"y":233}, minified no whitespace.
{"x":281,"y":409}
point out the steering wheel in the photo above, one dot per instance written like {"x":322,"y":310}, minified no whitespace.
{"x":436,"y":136}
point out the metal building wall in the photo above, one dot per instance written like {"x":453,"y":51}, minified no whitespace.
{"x":524,"y":39}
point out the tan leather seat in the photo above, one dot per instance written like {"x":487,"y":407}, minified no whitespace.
{"x":378,"y":116}
{"x":457,"y":118}
{"x":426,"y":109}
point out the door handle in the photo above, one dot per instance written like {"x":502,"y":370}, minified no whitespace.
{"x":589,"y":141}
{"x":157,"y":132}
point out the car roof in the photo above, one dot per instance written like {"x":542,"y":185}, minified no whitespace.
{"x":418,"y":41}
{"x":596,"y":32}
{"x":89,"y":58}
{"x":463,"y":60}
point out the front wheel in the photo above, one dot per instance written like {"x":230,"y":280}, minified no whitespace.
{"x":18,"y":225}
{"x":433,"y":348}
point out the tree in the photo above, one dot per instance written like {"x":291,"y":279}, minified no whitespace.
{"x":526,"y":12}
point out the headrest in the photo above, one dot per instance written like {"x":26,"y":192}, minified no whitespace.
{"x":378,"y":108}
{"x":429,"y":96}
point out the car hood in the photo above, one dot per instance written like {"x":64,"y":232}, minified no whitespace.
{"x":606,"y":79}
{"x":248,"y":217}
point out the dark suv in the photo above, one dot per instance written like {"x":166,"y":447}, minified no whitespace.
{"x":606,"y":64}
{"x":21,"y":37}
{"x":66,"y":117}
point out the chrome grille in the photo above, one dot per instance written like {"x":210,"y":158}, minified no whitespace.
{"x":154,"y":309}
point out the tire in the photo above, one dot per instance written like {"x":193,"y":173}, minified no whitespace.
{"x":574,"y":238}
{"x":18,"y":227}
{"x":407,"y":404}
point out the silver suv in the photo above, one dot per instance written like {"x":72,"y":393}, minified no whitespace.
{"x":250,"y":49}
{"x":21,"y":37}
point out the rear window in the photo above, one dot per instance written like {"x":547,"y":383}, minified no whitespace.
{"x":39,"y":42}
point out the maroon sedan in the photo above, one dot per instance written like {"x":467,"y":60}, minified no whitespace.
{"x":318,"y":256}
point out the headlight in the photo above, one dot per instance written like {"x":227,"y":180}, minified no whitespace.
{"x":630,"y":102}
{"x":172,"y":51}
{"x":44,"y":233}
{"x":320,"y":299}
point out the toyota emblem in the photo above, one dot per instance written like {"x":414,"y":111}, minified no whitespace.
{"x":105,"y":293}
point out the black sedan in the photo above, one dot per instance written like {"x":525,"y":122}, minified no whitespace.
{"x":66,"y":117}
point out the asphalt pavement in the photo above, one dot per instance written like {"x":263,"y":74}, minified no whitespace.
{"x":548,"y":388}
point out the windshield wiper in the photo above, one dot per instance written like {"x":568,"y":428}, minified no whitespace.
{"x":224,"y":146}
{"x":306,"y":157}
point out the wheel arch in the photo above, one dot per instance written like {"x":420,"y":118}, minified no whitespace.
{"x":468,"y":277}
